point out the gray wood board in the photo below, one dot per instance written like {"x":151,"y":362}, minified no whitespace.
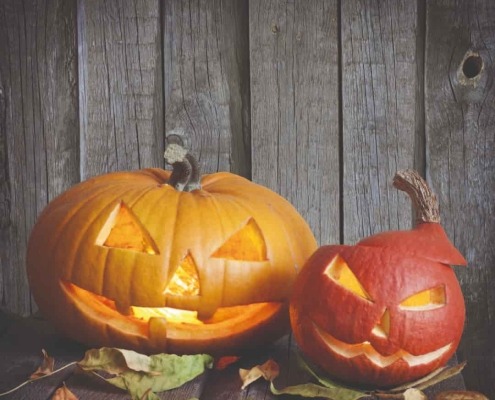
{"x":207,"y":81}
{"x":39,"y":143}
{"x":381,"y":115}
{"x":460,"y":132}
{"x":120,"y":85}
{"x":295,"y":107}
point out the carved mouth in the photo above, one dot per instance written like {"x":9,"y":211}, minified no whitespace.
{"x":366,"y":349}
{"x":157,"y":323}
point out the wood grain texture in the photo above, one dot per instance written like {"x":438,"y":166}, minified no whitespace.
{"x":460,"y":126}
{"x":120,"y":85}
{"x":39,"y":145}
{"x":21,"y":348}
{"x":295,"y":107}
{"x":380,"y":113}
{"x":207,"y":81}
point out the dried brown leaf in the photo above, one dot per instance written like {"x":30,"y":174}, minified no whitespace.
{"x":146,"y":395}
{"x":63,"y":393}
{"x":269,"y":371}
{"x":46,"y":367}
{"x":460,"y":395}
{"x":429,"y":380}
{"x":414,"y":394}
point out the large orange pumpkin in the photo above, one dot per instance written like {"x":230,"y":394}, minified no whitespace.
{"x":387,"y":310}
{"x":154,"y":261}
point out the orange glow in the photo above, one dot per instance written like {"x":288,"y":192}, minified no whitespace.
{"x":103,"y":305}
{"x":339,"y":271}
{"x":425,"y":300}
{"x":123,"y":230}
{"x":366,"y":349}
{"x":382,"y":328}
{"x":185,"y":281}
{"x":170,"y":314}
{"x":246,"y":244}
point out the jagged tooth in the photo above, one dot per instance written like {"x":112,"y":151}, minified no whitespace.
{"x":157,"y":332}
{"x":124,"y":308}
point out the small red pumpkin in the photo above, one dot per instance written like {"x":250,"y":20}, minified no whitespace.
{"x":158,"y":261}
{"x":387,"y":310}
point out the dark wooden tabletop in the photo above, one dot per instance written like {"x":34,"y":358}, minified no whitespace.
{"x":22,"y":341}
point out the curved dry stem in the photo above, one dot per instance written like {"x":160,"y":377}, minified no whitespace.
{"x":424,"y":200}
{"x":37,"y":379}
{"x":185,"y":175}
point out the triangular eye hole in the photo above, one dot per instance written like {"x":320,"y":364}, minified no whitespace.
{"x":123,"y":230}
{"x":247,"y":244}
{"x":340,"y":273}
{"x":185,"y":281}
{"x":428,"y":299}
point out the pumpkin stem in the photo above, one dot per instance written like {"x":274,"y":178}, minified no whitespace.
{"x":424,"y":200}
{"x":185,"y":174}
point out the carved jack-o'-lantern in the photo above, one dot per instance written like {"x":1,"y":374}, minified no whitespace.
{"x":387,"y":310}
{"x":155,"y":261}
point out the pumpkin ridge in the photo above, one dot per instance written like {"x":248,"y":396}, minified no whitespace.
{"x":216,"y":206}
{"x":133,"y":272}
{"x":248,"y":206}
{"x":88,"y":225}
{"x":65,"y":221}
{"x":160,"y":175}
{"x":171,"y":268}
{"x":163,"y":193}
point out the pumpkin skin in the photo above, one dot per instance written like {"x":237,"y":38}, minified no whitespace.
{"x":94,"y":278}
{"x":383,"y":312}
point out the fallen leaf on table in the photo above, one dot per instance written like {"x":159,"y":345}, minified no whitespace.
{"x":331,"y":389}
{"x":225,"y":361}
{"x":63,"y":393}
{"x":431,"y":379}
{"x":414,"y":394}
{"x":269,"y":370}
{"x":143,"y":376}
{"x":115,"y":361}
{"x":460,"y":395}
{"x":315,"y":390}
{"x":44,"y":370}
{"x":146,"y":395}
{"x":46,"y":367}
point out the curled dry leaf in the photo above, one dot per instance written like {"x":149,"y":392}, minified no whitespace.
{"x":435,"y":377}
{"x":414,"y":394}
{"x":269,"y":371}
{"x":460,"y":395}
{"x":315,"y":390}
{"x":143,"y":376}
{"x":63,"y":393}
{"x":46,"y":367}
{"x":115,"y":361}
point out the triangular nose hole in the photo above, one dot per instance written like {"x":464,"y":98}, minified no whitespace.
{"x":382,"y":328}
{"x":247,"y":244}
{"x":123,"y":230}
{"x":185,"y":281}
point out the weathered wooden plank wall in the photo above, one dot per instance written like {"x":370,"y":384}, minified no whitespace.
{"x":295,"y":106}
{"x":380,"y":118}
{"x":121,"y":85}
{"x":460,"y":159}
{"x":321,"y":100}
{"x":39,"y":134}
